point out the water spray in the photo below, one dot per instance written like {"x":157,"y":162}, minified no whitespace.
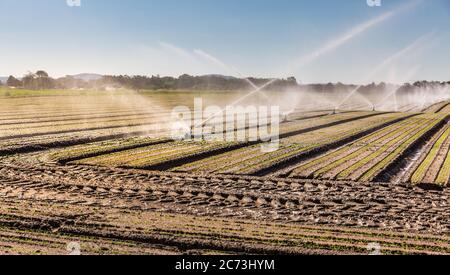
{"x":307,"y":59}
{"x":284,"y":118}
{"x":233,"y":69}
{"x":394,"y":91}
{"x":413,"y":46}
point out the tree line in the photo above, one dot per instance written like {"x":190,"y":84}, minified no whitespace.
{"x":40,"y":80}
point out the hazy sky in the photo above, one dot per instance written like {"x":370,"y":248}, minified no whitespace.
{"x":313,"y":40}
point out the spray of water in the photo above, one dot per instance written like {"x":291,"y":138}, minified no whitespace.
{"x":328,"y":47}
{"x":232,"y":69}
{"x":413,"y":46}
{"x":393,"y":92}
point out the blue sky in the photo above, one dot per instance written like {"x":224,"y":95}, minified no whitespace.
{"x":341,"y":40}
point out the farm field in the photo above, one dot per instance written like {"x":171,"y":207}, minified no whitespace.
{"x":100,"y":170}
{"x":247,"y":130}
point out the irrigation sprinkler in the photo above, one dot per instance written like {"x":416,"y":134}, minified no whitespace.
{"x":284,"y":117}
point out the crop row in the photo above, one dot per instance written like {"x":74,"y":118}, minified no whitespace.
{"x":46,"y":141}
{"x":445,"y":109}
{"x":102,"y":148}
{"x":253,"y":160}
{"x":78,"y":124}
{"x":18,"y":120}
{"x":60,"y":108}
{"x":333,"y":159}
{"x":16,"y":129}
{"x":145,"y":157}
{"x":323,"y":121}
{"x":31,"y":132}
{"x":438,"y":107}
{"x":433,"y":167}
{"x":23,"y":141}
{"x":300,"y":125}
{"x":157,"y":155}
{"x":342,"y":131}
{"x":366,"y":158}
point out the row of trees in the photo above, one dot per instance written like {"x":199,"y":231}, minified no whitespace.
{"x":188,"y":82}
{"x":373,"y":88}
{"x":41,"y":80}
{"x":35,"y":81}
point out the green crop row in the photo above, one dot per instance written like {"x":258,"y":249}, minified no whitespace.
{"x":143,"y":157}
{"x":421,"y":171}
{"x":251,"y":160}
{"x":48,"y":141}
{"x":397,"y":142}
{"x":75,"y":128}
{"x":82,"y":121}
{"x":101,"y":148}
{"x":317,"y":122}
{"x":375,"y":170}
{"x":392,"y":141}
{"x":367,"y":142}
{"x":215,"y":163}
{"x":268,"y":160}
{"x":437,"y":107}
{"x":391,"y":138}
{"x":444,"y":175}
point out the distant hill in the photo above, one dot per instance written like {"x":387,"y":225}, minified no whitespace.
{"x":87,"y":76}
{"x":3,"y":79}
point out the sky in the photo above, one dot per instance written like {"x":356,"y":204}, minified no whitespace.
{"x":316,"y":41}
